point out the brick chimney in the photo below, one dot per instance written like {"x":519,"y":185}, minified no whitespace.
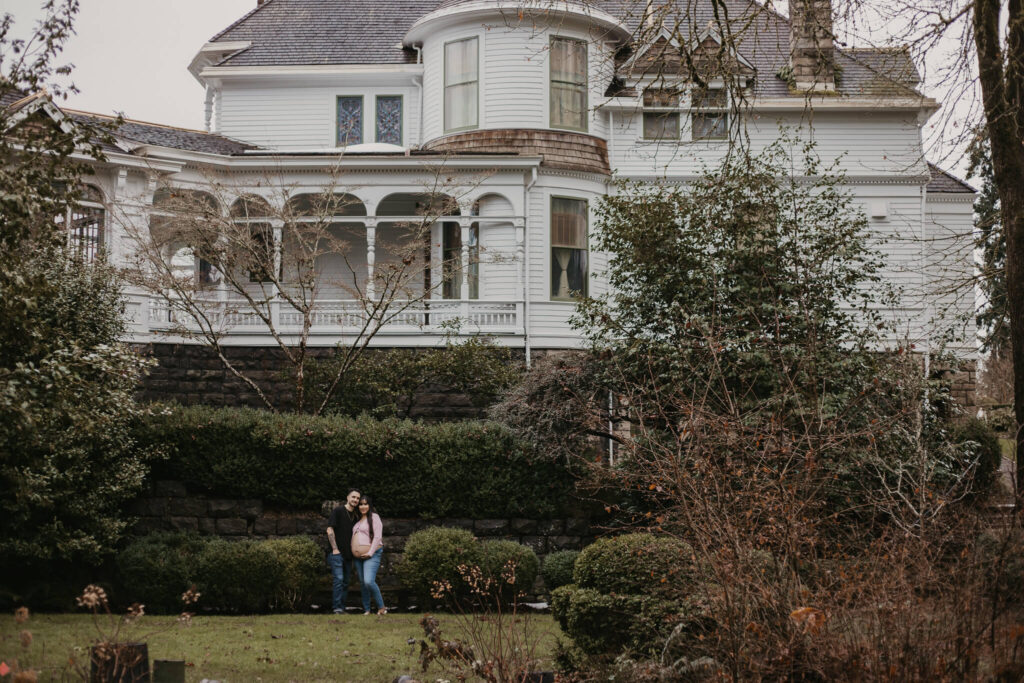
{"x":812,"y":56}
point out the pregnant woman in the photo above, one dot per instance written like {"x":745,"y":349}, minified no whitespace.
{"x":367,"y":549}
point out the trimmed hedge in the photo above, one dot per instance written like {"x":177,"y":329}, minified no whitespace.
{"x":232,"y":576}
{"x":463,"y":469}
{"x":639,"y":564}
{"x":156,"y":569}
{"x":436,"y":553}
{"x":558,"y":568}
{"x":629,"y":593}
{"x":496,"y":554}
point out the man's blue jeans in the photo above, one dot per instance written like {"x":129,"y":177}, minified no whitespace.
{"x":367,"y":571}
{"x":341,"y":569}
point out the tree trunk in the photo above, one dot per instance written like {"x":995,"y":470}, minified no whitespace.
{"x":1001,"y":75}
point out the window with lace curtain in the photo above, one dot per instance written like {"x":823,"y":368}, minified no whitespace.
{"x":568,"y":248}
{"x":569,"y":83}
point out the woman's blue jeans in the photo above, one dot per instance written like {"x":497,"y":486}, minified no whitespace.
{"x":366,"y":570}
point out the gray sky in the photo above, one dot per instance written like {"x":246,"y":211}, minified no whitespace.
{"x":132,"y":55}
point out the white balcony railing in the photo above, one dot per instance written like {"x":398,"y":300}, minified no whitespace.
{"x":341,"y":317}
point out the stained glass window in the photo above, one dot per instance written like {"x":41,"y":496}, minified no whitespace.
{"x":389,"y":119}
{"x":350,"y":121}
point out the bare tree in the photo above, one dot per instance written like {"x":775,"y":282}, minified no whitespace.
{"x":222,"y":260}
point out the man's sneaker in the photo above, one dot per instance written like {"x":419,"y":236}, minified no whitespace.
{"x":339,"y":611}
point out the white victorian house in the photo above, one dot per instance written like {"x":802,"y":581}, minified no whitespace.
{"x":529,"y":110}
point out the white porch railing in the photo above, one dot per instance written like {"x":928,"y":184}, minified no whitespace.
{"x":338,"y":318}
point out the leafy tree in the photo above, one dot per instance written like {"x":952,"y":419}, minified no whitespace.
{"x":993,"y":320}
{"x":66,"y":381}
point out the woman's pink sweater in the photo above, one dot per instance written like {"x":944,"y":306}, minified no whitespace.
{"x":361,"y":532}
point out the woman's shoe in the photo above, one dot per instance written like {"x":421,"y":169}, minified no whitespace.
{"x":381,"y":611}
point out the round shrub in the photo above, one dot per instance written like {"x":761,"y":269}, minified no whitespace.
{"x":979,"y":442}
{"x":156,"y":569}
{"x":495,"y":555}
{"x":237,"y":576}
{"x":300,"y":564}
{"x":558,"y":568}
{"x":637,"y":564}
{"x":601,"y":623}
{"x":434,"y":554}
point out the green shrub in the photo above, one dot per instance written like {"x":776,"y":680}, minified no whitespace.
{"x":558,"y":568}
{"x":495,"y":555}
{"x":602,"y":623}
{"x":1002,"y":420}
{"x":464,"y":469}
{"x":300,"y":565}
{"x":434,"y":554}
{"x":393,"y":382}
{"x":156,"y":569}
{"x":629,"y":593}
{"x":237,"y":576}
{"x":638,"y":564}
{"x":981,"y":443}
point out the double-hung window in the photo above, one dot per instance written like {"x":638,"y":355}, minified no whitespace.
{"x":569,"y":83}
{"x":461,"y":84}
{"x":710,"y":114}
{"x":568,"y":248}
{"x":350,"y":120}
{"x":389,"y":119}
{"x":661,"y":114}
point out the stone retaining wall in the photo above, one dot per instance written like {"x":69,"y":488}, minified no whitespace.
{"x":168,"y":506}
{"x":191,"y":374}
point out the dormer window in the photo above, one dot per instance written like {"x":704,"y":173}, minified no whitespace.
{"x":350,"y":120}
{"x":710,"y":114}
{"x":461,"y":84}
{"x":569,"y":83}
{"x":661,"y":114}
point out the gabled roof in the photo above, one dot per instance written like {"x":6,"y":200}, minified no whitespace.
{"x":144,"y":133}
{"x":943,"y":182}
{"x":320,"y":32}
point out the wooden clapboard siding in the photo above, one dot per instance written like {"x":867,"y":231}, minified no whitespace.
{"x":291,"y":118}
{"x":865,"y":143}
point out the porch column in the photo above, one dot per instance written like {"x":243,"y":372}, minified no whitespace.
{"x":464,"y":224}
{"x":520,"y":225}
{"x":275,"y":305}
{"x":371,"y":241}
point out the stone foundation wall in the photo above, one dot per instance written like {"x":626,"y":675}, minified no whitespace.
{"x":191,"y":374}
{"x":170,"y":507}
{"x":963,"y":383}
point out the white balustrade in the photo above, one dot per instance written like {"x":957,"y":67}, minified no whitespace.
{"x":339,"y":317}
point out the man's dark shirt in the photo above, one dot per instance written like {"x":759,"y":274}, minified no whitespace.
{"x":341,"y":520}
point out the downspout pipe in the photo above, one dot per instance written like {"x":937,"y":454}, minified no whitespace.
{"x":526,"y":266}
{"x":418,"y":82}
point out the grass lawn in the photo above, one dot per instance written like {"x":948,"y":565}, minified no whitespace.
{"x":291,"y":647}
{"x":1008,"y":448}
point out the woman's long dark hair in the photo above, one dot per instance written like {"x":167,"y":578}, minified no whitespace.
{"x":369,"y":514}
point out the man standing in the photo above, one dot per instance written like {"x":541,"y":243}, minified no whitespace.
{"x":339,"y":534}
